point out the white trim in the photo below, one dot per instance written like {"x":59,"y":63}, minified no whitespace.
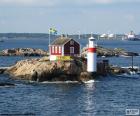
{"x":59,"y":49}
{"x":62,"y":50}
{"x":73,"y":40}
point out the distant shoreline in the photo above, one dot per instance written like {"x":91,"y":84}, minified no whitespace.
{"x":46,"y":35}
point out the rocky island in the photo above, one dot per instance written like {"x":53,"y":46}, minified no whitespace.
{"x":42,"y":69}
{"x":108,"y":52}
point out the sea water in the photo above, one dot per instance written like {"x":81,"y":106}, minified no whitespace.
{"x":106,"y":96}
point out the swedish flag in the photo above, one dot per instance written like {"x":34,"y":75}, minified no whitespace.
{"x":53,"y":31}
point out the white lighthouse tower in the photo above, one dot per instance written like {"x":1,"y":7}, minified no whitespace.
{"x":92,"y":56}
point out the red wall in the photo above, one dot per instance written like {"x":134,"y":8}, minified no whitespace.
{"x":76,"y":48}
{"x":57,"y":50}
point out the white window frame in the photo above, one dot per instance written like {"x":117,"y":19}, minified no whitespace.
{"x":71,"y":50}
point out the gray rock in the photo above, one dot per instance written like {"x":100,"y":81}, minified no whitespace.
{"x":23,"y":52}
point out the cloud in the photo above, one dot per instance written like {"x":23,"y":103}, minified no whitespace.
{"x":51,"y":3}
{"x":28,"y":2}
{"x":103,"y":1}
{"x":16,"y":2}
{"x":114,"y":1}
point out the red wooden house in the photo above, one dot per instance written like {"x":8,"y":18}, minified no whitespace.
{"x":64,"y":46}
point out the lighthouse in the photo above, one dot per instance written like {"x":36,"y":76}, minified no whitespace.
{"x":92,"y":56}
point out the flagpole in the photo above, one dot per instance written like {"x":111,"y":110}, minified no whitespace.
{"x":49,"y":41}
{"x":49,"y":37}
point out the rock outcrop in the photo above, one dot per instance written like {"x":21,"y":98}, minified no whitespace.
{"x":3,"y":69}
{"x":45,"y":70}
{"x":116,"y":70}
{"x":23,"y":52}
{"x":108,"y":52}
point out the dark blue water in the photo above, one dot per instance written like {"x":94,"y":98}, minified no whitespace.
{"x":107,"y":96}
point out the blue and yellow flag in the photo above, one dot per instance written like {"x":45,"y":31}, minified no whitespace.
{"x":52,"y":31}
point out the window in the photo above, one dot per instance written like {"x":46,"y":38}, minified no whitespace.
{"x":59,"y":49}
{"x":52,"y":49}
{"x":55,"y":49}
{"x":71,"y":42}
{"x":71,"y":50}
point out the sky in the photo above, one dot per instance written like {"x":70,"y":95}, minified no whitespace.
{"x":69,"y":16}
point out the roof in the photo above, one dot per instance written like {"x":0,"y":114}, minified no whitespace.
{"x":61,"y":41}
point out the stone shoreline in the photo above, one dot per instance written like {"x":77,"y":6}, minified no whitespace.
{"x":23,"y":52}
{"x":41,"y":69}
{"x":101,"y":51}
{"x":108,"y":52}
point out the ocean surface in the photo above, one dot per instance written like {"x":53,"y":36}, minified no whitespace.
{"x":107,"y":96}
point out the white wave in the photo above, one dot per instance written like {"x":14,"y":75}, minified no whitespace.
{"x":60,"y":82}
{"x":90,"y":81}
